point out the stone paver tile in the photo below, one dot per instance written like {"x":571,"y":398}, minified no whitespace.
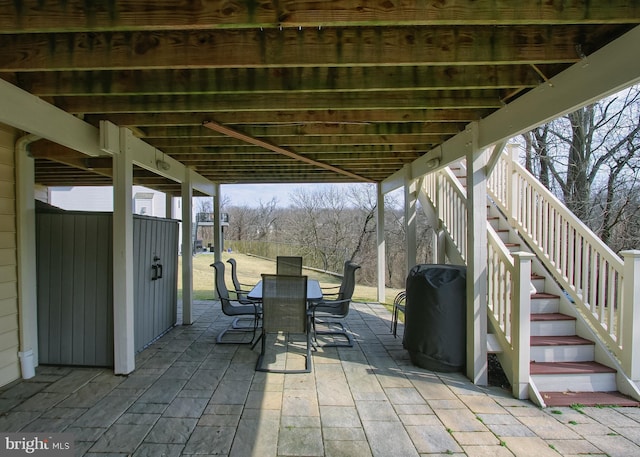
{"x":264,"y":400}
{"x":503,"y":430}
{"x":164,"y":390}
{"x":343,"y":434}
{"x":105,"y":412}
{"x":213,"y":408}
{"x":389,"y":439}
{"x":502,"y":419}
{"x":630,"y":433}
{"x":186,"y":407}
{"x":231,"y":392}
{"x":433,"y":389}
{"x":573,"y":447}
{"x":529,"y":446}
{"x":476,"y":438}
{"x":73,"y":381}
{"x":432,"y":438}
{"x":346,"y":448}
{"x":255,"y":438}
{"x":418,"y":409}
{"x":156,"y":450}
{"x":169,"y":430}
{"x":610,"y":417}
{"x":404,"y":396}
{"x":339,"y":416}
{"x":615,"y":446}
{"x":137,"y":419}
{"x":63,"y":413}
{"x":446,"y":404}
{"x":219,"y":420}
{"x":525,"y":411}
{"x":206,"y":380}
{"x":549,"y":428}
{"x":300,"y":403}
{"x":181,"y":371}
{"x":590,"y":429}
{"x":121,"y":438}
{"x":300,"y":421}
{"x":487,"y":451}
{"x":376,"y":411}
{"x":147,"y":408}
{"x":332,"y":386}
{"x":481,"y":404}
{"x":86,"y":433}
{"x":302,"y":381}
{"x":419,"y":419}
{"x":47,"y":425}
{"x":460,"y":420}
{"x":41,"y":401}
{"x":210,"y":440}
{"x":300,"y":441}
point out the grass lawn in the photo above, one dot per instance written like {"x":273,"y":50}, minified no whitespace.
{"x":249,"y":271}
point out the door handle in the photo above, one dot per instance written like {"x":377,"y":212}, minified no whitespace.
{"x":159,"y":269}
{"x":155,"y":272}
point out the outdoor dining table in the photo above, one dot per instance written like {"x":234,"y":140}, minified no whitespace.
{"x":314,"y":292}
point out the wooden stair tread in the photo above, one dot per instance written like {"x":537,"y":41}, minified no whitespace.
{"x":542,"y":368}
{"x":571,"y":340}
{"x":547,"y":317}
{"x":544,"y":295}
{"x":587,"y":399}
{"x":536,"y":276}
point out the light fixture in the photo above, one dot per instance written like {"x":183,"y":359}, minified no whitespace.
{"x":162,"y":165}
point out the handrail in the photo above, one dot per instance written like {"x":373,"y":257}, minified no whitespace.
{"x":586,"y":268}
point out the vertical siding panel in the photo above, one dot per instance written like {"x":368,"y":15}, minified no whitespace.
{"x":66,"y":287}
{"x":138,"y":275}
{"x":43,"y":222}
{"x":103,"y":332}
{"x":78,"y":298}
{"x":91,"y":273}
{"x":55,"y":267}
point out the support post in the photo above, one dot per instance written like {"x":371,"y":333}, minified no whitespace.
{"x":521,"y":323}
{"x":410,"y":204}
{"x":123,"y":301}
{"x":476,"y":261}
{"x":381,"y":245}
{"x":217,"y":224}
{"x":513,"y":201}
{"x":631,"y":314}
{"x":187,"y":249}
{"x":168,"y":206}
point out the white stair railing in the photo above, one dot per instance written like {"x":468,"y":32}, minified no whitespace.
{"x":585,"y":267}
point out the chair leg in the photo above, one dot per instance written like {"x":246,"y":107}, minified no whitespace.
{"x":308,"y":365}
{"x":340,"y":333}
{"x":241,"y":330}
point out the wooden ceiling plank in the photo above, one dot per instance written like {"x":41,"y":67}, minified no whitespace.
{"x":28,"y":16}
{"x":331,"y":47}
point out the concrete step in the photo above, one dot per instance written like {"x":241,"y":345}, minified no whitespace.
{"x":561,"y":349}
{"x":568,"y":398}
{"x":552,"y":324}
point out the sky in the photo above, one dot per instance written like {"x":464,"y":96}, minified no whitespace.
{"x":252,"y":194}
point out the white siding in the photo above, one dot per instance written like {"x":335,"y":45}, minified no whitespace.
{"x":9,"y":364}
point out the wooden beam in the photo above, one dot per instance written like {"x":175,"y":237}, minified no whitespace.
{"x":239,"y":135}
{"x":278,"y":80}
{"x":280,"y":116}
{"x":74,"y":15}
{"x":385,"y":100}
{"x":324,"y":47}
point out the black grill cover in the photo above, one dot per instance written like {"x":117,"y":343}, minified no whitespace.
{"x":435,"y":317}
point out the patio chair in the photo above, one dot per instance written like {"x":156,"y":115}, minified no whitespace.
{"x":288,"y":265}
{"x":235,"y":308}
{"x":398,"y":307}
{"x":284,"y":310}
{"x":241,"y":289}
{"x":326,"y":311}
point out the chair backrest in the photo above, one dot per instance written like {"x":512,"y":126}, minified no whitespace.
{"x":288,"y":265}
{"x":284,"y":303}
{"x":234,"y":276}
{"x":348,"y":283}
{"x":221,"y":286}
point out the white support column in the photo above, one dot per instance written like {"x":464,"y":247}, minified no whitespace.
{"x":410,"y":203}
{"x":521,"y":324}
{"x":476,"y":262}
{"x":187,"y":249}
{"x":381,"y":246}
{"x":123,"y":301}
{"x":513,"y":197}
{"x":168,"y":206}
{"x":26,"y":239}
{"x":217,"y":224}
{"x":631,"y":315}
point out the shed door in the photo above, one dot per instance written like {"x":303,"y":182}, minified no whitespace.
{"x":155,"y":246}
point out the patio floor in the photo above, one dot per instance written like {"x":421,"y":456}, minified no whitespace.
{"x":189,"y":396}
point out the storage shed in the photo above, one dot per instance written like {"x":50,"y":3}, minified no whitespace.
{"x":75,"y":284}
